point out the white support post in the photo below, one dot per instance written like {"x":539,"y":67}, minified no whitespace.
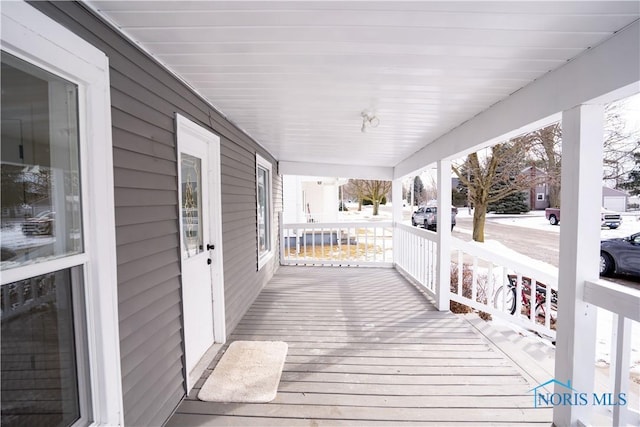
{"x":582,"y":136}
{"x":443,"y":282}
{"x":396,"y":202}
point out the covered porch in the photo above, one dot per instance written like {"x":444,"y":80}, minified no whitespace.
{"x":367,"y":347}
{"x":347,"y":90}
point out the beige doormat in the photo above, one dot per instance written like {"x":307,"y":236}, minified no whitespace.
{"x":248,"y":372}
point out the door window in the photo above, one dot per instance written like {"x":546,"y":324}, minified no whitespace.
{"x":191,"y":205}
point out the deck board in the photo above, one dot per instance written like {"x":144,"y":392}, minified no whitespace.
{"x":367,"y":348}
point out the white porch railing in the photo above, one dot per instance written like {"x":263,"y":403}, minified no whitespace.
{"x":346,"y":244}
{"x":416,"y":255}
{"x":624,"y":304}
{"x":502,"y":286}
{"x":490,"y":281}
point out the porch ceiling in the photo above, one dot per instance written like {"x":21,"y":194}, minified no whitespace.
{"x":296,"y":75}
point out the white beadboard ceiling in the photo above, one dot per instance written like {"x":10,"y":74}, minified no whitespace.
{"x":296,"y":75}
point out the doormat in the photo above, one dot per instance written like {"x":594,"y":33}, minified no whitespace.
{"x":248,"y":372}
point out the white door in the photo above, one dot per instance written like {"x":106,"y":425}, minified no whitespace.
{"x":199,"y":232}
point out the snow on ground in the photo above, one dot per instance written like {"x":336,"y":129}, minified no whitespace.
{"x":536,"y":220}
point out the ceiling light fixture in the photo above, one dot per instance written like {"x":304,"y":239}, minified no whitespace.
{"x":369,"y":120}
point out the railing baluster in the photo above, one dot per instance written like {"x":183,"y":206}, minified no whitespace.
{"x":474,"y":280}
{"x":620,"y":367}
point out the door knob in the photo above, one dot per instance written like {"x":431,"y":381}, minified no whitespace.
{"x":210,"y":247}
{"x":208,"y":261}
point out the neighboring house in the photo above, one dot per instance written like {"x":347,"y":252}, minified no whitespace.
{"x":138,"y":247}
{"x":538,"y":195}
{"x":614,"y":200}
{"x":311,"y":199}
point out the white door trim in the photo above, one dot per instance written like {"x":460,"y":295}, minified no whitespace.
{"x":36,"y":38}
{"x":184,"y":125}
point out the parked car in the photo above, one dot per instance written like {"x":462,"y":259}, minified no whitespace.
{"x":607,"y":218}
{"x":427,"y":217}
{"x":621,"y":256}
{"x":40,"y":224}
{"x":610,"y":219}
{"x":553,"y":215}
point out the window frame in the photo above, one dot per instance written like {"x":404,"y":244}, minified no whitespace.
{"x":540,"y":197}
{"x":265,"y":257}
{"x":32,"y":36}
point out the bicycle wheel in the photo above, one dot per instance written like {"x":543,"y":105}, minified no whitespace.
{"x":541,"y":313}
{"x":505,"y":301}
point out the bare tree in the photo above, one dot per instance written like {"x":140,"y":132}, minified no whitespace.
{"x":492,"y":179}
{"x":355,"y":189}
{"x":620,"y":144}
{"x":373,"y":191}
{"x":546,"y":151}
{"x":619,"y":147}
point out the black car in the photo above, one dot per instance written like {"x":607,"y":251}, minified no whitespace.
{"x":620,"y":256}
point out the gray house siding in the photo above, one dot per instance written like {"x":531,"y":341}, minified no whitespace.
{"x":145,"y":98}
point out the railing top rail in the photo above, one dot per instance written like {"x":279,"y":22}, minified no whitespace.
{"x":615,"y":298}
{"x":345,"y":224}
{"x":506,"y":261}
{"x":421,"y":232}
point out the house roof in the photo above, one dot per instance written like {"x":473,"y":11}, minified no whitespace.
{"x":610,"y":192}
{"x":298,"y":75}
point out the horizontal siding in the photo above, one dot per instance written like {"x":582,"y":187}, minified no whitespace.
{"x":144,"y":100}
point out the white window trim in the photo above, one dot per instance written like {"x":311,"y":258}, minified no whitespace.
{"x":540,"y":197}
{"x":36,"y":38}
{"x":266,"y":257}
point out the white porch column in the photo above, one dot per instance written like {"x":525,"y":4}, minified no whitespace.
{"x":396,"y":200}
{"x":444,"y":235}
{"x":582,"y":136}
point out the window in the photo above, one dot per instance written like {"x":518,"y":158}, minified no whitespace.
{"x":540,"y":196}
{"x":263,"y":187}
{"x":191,"y":182}
{"x":60,"y":347}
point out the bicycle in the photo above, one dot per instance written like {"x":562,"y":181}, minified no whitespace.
{"x":507,"y":302}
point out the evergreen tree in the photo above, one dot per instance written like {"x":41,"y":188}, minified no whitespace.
{"x":633,"y":180}
{"x":418,"y":190}
{"x":515,"y":203}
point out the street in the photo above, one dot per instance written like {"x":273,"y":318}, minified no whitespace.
{"x":538,"y":244}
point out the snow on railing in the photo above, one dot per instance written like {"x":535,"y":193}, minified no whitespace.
{"x":417,"y":255}
{"x":623,"y":305}
{"x":499,"y":283}
{"x":347,"y":244}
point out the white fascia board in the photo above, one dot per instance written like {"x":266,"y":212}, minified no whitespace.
{"x":335,"y":170}
{"x":602,"y":74}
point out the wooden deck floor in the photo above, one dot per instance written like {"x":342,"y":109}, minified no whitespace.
{"x":366,"y":348}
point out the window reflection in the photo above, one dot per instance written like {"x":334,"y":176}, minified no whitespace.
{"x":40,"y":206}
{"x":39,"y":362}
